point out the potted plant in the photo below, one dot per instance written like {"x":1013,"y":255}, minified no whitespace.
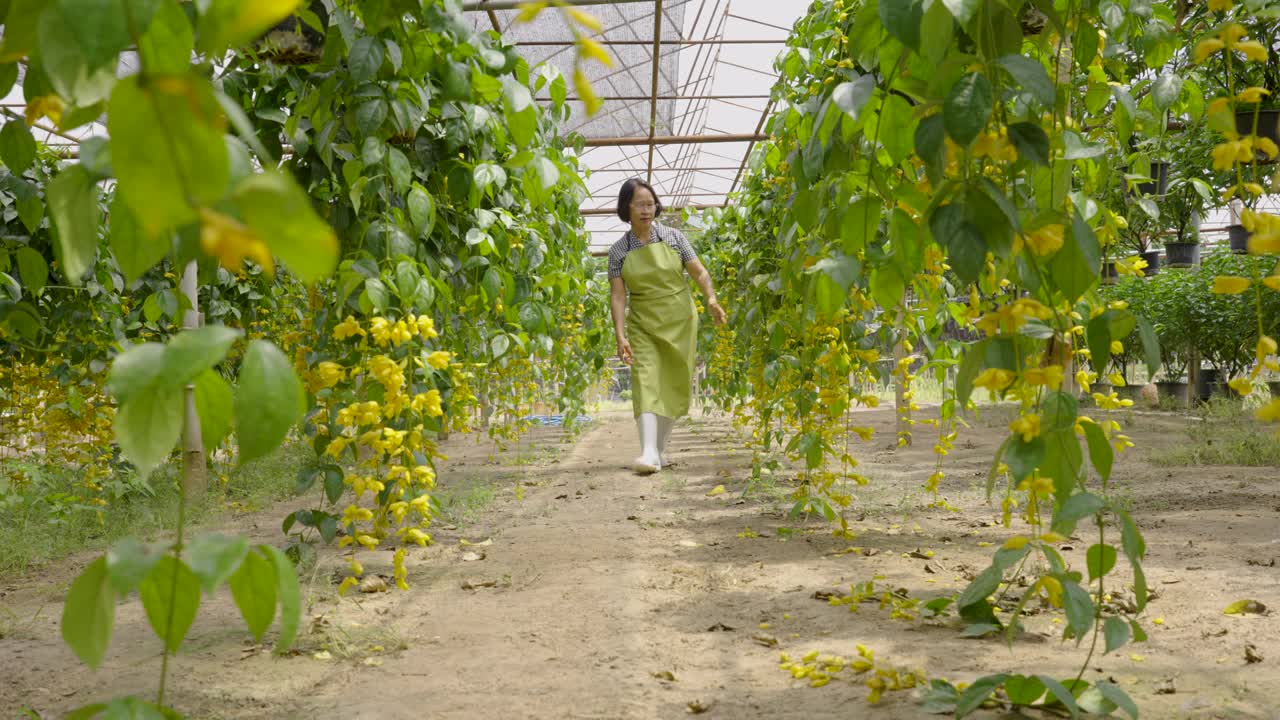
{"x":1223,"y":328}
{"x":1261,"y":118}
{"x":1181,"y":210}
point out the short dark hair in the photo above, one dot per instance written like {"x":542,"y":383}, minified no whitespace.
{"x":628,"y":192}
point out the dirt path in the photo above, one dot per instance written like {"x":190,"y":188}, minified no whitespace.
{"x":599,"y":581}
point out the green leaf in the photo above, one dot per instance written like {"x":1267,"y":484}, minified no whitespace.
{"x":897,"y":127}
{"x":962,"y":10}
{"x":33,"y":269}
{"x":1073,"y":510}
{"x":101,"y":29}
{"x":254,"y":588}
{"x":852,"y":97}
{"x":20,"y":28}
{"x":134,"y":252}
{"x":365,"y":58}
{"x":290,"y":597}
{"x":167,"y":45}
{"x":1117,"y":696}
{"x":1116,"y":632}
{"x":171,"y":597}
{"x":1075,"y":267}
{"x":982,"y":586}
{"x":161,"y":180}
{"x":1098,"y":336}
{"x":1058,"y":412}
{"x":970,"y":366}
{"x":89,"y":613}
{"x":1100,"y":559}
{"x":1165,"y":91}
{"x":17,"y":147}
{"x":1032,"y":76}
{"x":233,"y":23}
{"x":902,"y":19}
{"x":132,"y":708}
{"x":1150,"y":345}
{"x":333,"y":485}
{"x":129,"y":562}
{"x":1101,"y":454}
{"x":73,"y":205}
{"x":1023,"y":457}
{"x":370,"y":116}
{"x":977,"y":693}
{"x":1078,"y":606}
{"x":148,"y":426}
{"x":135,"y":370}
{"x":1074,"y":147}
{"x":401,"y":171}
{"x":213,"y":558}
{"x":280,"y":213}
{"x":422,"y":210}
{"x":269,"y":402}
{"x":214,"y":403}
{"x":1023,"y":690}
{"x":73,"y":75}
{"x":967,"y":108}
{"x":1063,"y":695}
{"x":191,"y":352}
{"x":487,"y":174}
{"x":1131,"y":537}
{"x":859,"y":225}
{"x":376,"y":290}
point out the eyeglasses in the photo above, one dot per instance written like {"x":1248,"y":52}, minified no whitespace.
{"x":644,"y":206}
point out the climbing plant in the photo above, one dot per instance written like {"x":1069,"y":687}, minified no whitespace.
{"x":929,"y":160}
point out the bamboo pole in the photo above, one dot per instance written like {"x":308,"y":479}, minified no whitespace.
{"x":194,"y":477}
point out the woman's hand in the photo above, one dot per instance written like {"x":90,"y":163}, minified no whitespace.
{"x":624,"y":350}
{"x":718,"y":314}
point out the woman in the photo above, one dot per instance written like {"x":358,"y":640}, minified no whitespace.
{"x":659,"y":334}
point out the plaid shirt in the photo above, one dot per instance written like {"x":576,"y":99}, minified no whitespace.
{"x":658,"y":233}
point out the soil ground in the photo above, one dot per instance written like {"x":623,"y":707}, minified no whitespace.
{"x":599,"y":581}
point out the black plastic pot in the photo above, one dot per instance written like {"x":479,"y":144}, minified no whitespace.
{"x":1159,"y":182}
{"x":1209,"y":383}
{"x":1239,"y":238}
{"x":1182,"y":254}
{"x":1109,"y":274}
{"x":1153,"y":262}
{"x":1275,"y":389}
{"x":1268,"y":123}
{"x":1173,"y":389}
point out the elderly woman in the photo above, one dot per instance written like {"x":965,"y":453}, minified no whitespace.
{"x":654,"y":317}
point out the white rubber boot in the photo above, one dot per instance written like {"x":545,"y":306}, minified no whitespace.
{"x":649,"y":461}
{"x":664,"y":433}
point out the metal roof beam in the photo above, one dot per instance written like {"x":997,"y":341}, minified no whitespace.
{"x":515,"y":4}
{"x":673,"y":140}
{"x":653,"y":100}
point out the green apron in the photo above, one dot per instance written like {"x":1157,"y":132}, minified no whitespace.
{"x":662,"y":327}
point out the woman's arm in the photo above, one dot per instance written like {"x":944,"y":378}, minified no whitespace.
{"x":703,"y":278}
{"x":618,"y":307}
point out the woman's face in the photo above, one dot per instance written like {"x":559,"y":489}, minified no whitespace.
{"x":643,"y":207}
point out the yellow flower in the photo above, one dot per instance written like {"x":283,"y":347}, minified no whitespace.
{"x":370,"y":542}
{"x":1227,"y":154}
{"x":347,"y":328}
{"x":1232,"y":33}
{"x":387,"y":372}
{"x":1241,"y":385}
{"x":1266,"y":346}
{"x":1253,"y":50}
{"x":1116,"y":347}
{"x":347,"y":584}
{"x":50,"y":106}
{"x":1229,"y":285}
{"x":1044,"y":241}
{"x":1117,"y":379}
{"x":1267,"y":147}
{"x":1272,"y":281}
{"x":400,"y":333}
{"x":1252,"y":95}
{"x":1220,"y":5}
{"x":1052,"y":537}
{"x":994,"y":379}
{"x":1270,"y":412}
{"x":1050,"y":376}
{"x":380,"y":329}
{"x":1207,"y":47}
{"x":1028,"y":426}
{"x":1131,"y":266}
{"x":439,"y":359}
{"x":232,"y":243}
{"x":428,"y":402}
{"x":414,"y":535}
{"x":995,"y":146}
{"x":1016,"y":543}
{"x":336,"y":446}
{"x":1052,"y":589}
{"x":329,"y":374}
{"x":427,"y":327}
